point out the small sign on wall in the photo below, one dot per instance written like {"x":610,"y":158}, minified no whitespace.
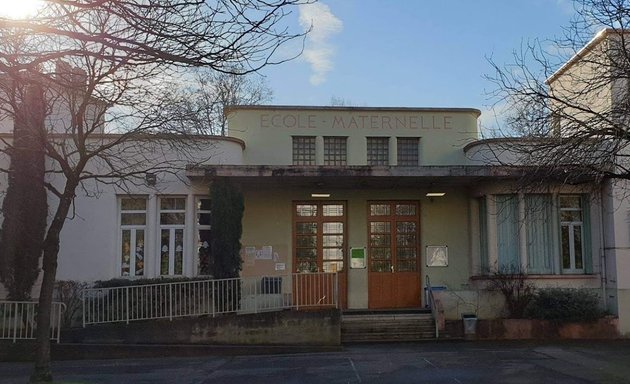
{"x":437,"y":255}
{"x":357,"y":258}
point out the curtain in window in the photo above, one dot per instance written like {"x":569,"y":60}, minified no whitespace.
{"x":538,"y":218}
{"x":507,"y":232}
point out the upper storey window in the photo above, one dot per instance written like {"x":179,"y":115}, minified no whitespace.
{"x":303,"y":150}
{"x":378,"y":150}
{"x":408,"y":151}
{"x":335,"y":150}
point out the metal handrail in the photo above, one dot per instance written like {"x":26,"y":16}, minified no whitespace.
{"x":18,"y":320}
{"x":432,"y":305}
{"x":210,"y":297}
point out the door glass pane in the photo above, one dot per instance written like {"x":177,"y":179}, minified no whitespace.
{"x":306,"y":210}
{"x":333,"y":266}
{"x":179,"y":251}
{"x":570,"y":202}
{"x":406,"y":266}
{"x":406,"y":240}
{"x":203,"y":252}
{"x":381,"y":266}
{"x":305,"y":228}
{"x":380,"y":227}
{"x":566,"y":252}
{"x":333,"y":228}
{"x":406,"y":253}
{"x":164,"y":251}
{"x":332,"y":209}
{"x":303,"y":241}
{"x":405,"y":209}
{"x":379,"y":210}
{"x":577,"y":245}
{"x":306,"y":253}
{"x":139,"y":252}
{"x":126,"y":253}
{"x":333,"y":253}
{"x":306,"y":266}
{"x":406,"y":227}
{"x":204,"y":218}
{"x":333,"y":240}
{"x":380,"y":240}
{"x":381,"y":253}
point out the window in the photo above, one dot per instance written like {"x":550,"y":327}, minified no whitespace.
{"x":393,"y":236}
{"x":319,"y":236}
{"x":572,"y":234}
{"x":133,"y":220}
{"x":408,"y":151}
{"x":335,"y":150}
{"x":303,"y":150}
{"x":204,"y":252}
{"x":172,"y":224}
{"x":378,"y":150}
{"x":553,"y":227}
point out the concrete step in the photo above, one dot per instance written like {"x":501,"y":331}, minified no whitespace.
{"x":382,"y":326}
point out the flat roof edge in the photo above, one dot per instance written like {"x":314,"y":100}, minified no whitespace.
{"x":337,"y":108}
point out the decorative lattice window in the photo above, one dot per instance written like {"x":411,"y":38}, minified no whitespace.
{"x":378,"y":150}
{"x":335,"y":150}
{"x":303,"y":150}
{"x":408,"y":151}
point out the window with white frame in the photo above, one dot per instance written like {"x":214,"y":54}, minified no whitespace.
{"x":204,"y":251}
{"x":172,"y":225}
{"x":133,"y":221}
{"x":554,"y":228}
{"x":572,"y":234}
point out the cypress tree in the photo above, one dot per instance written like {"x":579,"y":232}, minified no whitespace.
{"x":24,"y":207}
{"x":226,"y":222}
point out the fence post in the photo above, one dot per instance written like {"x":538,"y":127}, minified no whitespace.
{"x":83,"y":305}
{"x":127,"y":303}
{"x":297,"y":291}
{"x":15,"y":317}
{"x":213,"y":295}
{"x":170,"y":301}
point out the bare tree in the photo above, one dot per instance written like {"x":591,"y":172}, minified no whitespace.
{"x":200,"y":106}
{"x":568,"y":99}
{"x":102,"y":65}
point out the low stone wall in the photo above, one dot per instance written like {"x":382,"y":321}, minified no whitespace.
{"x":519,"y":329}
{"x":271,"y":328}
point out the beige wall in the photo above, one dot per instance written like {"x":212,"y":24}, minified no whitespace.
{"x":268,"y":131}
{"x":443,"y":221}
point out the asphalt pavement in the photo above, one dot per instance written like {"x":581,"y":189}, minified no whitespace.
{"x":441,"y":362}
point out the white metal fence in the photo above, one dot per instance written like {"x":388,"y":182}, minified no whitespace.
{"x":18,"y":320}
{"x":209,"y":297}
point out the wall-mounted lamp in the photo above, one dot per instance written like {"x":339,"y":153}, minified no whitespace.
{"x":436,"y":194}
{"x":320,"y":194}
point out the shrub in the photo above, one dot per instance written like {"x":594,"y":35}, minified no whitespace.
{"x":513,"y":285}
{"x":565,"y":305}
{"x":69,"y":293}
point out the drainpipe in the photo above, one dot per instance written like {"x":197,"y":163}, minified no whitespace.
{"x":602,"y":248}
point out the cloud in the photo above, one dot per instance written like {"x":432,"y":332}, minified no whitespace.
{"x":318,"y":51}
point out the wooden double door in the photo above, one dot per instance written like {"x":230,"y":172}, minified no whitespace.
{"x":393,"y":254}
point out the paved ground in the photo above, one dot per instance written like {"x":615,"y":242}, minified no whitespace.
{"x":445,"y":362}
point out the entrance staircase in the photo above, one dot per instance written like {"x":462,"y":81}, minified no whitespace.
{"x":363,"y":326}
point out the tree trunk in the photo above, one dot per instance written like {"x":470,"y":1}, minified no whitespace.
{"x":42,"y":372}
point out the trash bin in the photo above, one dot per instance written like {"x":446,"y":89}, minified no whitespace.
{"x":271,"y":285}
{"x":470,"y":325}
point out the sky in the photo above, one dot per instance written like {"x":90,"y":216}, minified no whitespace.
{"x":409,"y":53}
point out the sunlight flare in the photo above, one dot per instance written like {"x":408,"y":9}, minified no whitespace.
{"x":19,"y":9}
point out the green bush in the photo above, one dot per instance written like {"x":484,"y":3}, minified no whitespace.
{"x":565,"y":305}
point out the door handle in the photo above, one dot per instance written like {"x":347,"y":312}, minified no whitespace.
{"x":391,"y":267}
